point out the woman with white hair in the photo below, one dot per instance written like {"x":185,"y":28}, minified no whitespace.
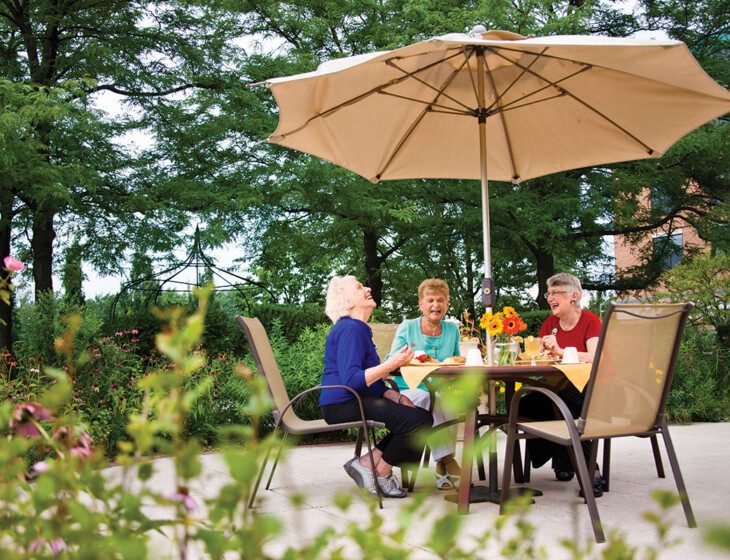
{"x":569,"y":325}
{"x":350,"y":359}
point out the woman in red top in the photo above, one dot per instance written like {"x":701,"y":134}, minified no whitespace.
{"x":569,"y":325}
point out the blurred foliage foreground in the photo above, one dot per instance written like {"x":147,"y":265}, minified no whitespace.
{"x":65,"y":506}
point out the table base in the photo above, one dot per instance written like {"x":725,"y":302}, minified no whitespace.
{"x":480,"y":493}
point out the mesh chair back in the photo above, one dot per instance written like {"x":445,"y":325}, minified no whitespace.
{"x":266,"y":364}
{"x":633,"y":369}
{"x":383,"y":335}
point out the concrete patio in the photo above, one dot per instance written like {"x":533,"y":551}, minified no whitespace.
{"x":316,"y":472}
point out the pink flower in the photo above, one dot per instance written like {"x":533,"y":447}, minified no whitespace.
{"x":182,"y":496}
{"x":40,"y":467}
{"x":21,"y":421}
{"x":13,"y":264}
{"x":36,"y":545}
{"x":134,"y":331}
{"x":77,"y":441}
{"x":57,"y":545}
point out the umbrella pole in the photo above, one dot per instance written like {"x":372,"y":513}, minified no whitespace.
{"x":488,"y":294}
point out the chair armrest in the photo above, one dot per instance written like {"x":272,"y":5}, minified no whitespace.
{"x":299,"y":396}
{"x":557,"y":401}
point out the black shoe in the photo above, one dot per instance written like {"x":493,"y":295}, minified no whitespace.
{"x":563,"y":476}
{"x":597,"y":487}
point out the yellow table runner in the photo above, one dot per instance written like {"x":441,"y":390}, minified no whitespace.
{"x":577,"y":374}
{"x":413,"y":375}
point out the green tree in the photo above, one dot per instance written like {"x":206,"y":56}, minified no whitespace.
{"x":705,"y":280}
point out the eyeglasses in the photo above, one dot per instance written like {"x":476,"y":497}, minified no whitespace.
{"x":548,"y":294}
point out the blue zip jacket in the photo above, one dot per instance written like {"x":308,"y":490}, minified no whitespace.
{"x":348,"y":351}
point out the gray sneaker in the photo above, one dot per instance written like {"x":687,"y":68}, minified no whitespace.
{"x":389,"y":487}
{"x":362,"y":476}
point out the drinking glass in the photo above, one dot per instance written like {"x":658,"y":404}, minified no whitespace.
{"x":532,"y":348}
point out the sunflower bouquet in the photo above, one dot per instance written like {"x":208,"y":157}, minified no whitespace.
{"x":503,"y":326}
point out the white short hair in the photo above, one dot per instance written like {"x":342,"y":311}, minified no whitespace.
{"x":568,"y":280}
{"x":337,"y":305}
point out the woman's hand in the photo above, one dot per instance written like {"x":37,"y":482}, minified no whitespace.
{"x":550,"y":343}
{"x":400,"y":358}
{"x":381,"y":371}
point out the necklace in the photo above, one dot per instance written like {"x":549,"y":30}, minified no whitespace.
{"x":429,"y":330}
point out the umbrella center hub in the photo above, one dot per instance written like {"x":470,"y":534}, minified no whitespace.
{"x":481,"y":113}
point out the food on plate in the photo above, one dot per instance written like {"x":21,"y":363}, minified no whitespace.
{"x":455,"y":360}
{"x":420,"y":357}
{"x":543,"y":356}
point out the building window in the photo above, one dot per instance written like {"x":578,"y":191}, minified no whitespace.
{"x":661,"y":202}
{"x":668,"y":249}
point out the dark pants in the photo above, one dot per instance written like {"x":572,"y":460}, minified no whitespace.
{"x":401,"y":421}
{"x":537,"y":406}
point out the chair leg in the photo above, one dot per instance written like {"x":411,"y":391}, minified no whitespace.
{"x":276,"y":461}
{"x":479,"y":458}
{"x":592,"y":459}
{"x":526,"y":468}
{"x":372,"y":465}
{"x":517,"y":465}
{"x":606,"y":464}
{"x":506,"y":471}
{"x":358,"y":442}
{"x":586,"y":484}
{"x":261,"y":472}
{"x":691,"y":522}
{"x":657,"y":457}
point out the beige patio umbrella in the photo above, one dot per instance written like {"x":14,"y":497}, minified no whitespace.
{"x":496,"y":105}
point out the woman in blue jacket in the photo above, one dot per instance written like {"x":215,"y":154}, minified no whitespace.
{"x":350,"y":359}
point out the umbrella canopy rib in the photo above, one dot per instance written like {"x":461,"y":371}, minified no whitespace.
{"x":505,"y":128}
{"x":588,"y":106}
{"x":357,"y":98}
{"x":561,"y":93}
{"x":418,"y":120}
{"x":534,"y":60}
{"x":419,"y":80}
{"x":446,"y":109}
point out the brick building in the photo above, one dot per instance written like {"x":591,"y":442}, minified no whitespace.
{"x":675,"y":240}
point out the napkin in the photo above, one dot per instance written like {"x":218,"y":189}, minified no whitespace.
{"x":577,"y":374}
{"x":413,"y":375}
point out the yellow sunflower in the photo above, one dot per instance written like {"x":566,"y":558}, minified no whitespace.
{"x":509,"y":312}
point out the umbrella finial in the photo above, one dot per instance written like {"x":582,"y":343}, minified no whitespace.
{"x":478,"y":29}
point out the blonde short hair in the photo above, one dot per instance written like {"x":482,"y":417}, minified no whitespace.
{"x":433,"y":285}
{"x":336,"y":305}
{"x":565,"y":279}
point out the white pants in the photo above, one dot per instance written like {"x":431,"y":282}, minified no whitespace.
{"x":422,"y":399}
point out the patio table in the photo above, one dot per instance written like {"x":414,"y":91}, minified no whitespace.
{"x":538,"y":375}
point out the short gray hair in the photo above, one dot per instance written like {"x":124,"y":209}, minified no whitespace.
{"x":565,"y":279}
{"x":336,"y":306}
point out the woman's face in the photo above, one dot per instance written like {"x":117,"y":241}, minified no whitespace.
{"x":359,"y":297}
{"x":559,"y":297}
{"x":433,"y":305}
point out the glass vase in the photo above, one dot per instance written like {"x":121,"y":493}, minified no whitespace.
{"x":504,"y":353}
